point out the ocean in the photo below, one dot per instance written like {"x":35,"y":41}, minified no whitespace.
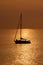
{"x":21,"y":54}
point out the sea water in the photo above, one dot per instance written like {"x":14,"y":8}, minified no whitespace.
{"x":21,"y":54}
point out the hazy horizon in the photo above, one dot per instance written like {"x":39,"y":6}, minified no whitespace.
{"x":32,"y":12}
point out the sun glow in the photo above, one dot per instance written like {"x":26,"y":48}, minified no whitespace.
{"x":25,"y":33}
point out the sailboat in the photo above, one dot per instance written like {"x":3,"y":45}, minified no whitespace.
{"x":21,"y":40}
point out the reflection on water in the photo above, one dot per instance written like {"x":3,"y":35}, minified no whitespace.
{"x":21,"y":54}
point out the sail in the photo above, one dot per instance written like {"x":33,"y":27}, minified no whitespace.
{"x":20,"y":25}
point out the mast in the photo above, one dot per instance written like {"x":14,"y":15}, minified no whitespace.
{"x":20,"y":25}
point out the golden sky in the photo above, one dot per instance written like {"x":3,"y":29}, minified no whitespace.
{"x":32,"y":11}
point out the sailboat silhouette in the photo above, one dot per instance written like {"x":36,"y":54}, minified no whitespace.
{"x":22,"y":40}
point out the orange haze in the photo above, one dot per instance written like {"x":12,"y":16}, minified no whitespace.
{"x":32,"y":11}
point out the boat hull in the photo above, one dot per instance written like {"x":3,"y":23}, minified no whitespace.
{"x":22,"y":42}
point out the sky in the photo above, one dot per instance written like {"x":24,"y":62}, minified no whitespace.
{"x":32,"y":13}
